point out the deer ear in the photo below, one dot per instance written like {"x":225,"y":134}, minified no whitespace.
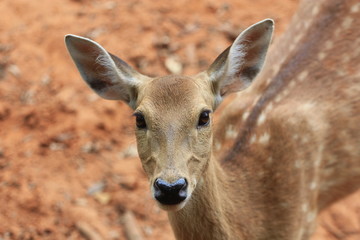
{"x":109,"y":76}
{"x":238,"y":65}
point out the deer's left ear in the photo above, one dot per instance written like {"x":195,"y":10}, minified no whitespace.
{"x":238,"y":65}
{"x":107,"y":75}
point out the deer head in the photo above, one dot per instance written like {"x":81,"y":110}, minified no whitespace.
{"x":173,"y":113}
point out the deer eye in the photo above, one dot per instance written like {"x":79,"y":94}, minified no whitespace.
{"x":140,"y":120}
{"x":204,"y":118}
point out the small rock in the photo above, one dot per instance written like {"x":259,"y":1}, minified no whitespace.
{"x":28,"y":97}
{"x":173,"y":65}
{"x":190,"y":28}
{"x":148,"y":230}
{"x":88,"y":231}
{"x":110,"y":5}
{"x":162,"y":42}
{"x":90,"y":147}
{"x":96,"y":187}
{"x":102,"y":197}
{"x":46,"y":79}
{"x":113,"y":235}
{"x":14,"y":70}
{"x":28,"y":153}
{"x":55,"y":146}
{"x":81,"y":202}
{"x":64,"y":137}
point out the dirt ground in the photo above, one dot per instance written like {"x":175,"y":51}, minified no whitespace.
{"x":68,"y":160}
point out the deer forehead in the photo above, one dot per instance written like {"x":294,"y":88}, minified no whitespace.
{"x":174,"y":96}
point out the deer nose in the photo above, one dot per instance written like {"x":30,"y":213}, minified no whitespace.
{"x":170,"y":193}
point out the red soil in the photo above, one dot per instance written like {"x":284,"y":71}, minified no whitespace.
{"x":68,"y":158}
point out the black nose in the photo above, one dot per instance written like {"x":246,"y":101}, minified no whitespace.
{"x":170,"y":193}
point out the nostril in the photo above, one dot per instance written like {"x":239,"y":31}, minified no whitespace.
{"x":180,"y":184}
{"x":161,"y":185}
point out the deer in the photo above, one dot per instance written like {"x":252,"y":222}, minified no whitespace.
{"x":287,"y":142}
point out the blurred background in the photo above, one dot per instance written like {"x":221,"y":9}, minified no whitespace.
{"x":68,"y":161}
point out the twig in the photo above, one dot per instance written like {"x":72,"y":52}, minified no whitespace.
{"x":132,"y":229}
{"x":87,"y":231}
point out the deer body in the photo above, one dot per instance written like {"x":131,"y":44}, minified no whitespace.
{"x":289,"y":143}
{"x":298,"y":126}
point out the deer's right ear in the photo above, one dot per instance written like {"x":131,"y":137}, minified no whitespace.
{"x":109,"y":76}
{"x":239,"y":64}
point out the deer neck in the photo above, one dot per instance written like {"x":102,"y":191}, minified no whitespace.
{"x":212,"y":211}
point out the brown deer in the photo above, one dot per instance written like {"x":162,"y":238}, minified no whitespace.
{"x":290,"y":143}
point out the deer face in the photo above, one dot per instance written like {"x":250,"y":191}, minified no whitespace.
{"x":174,"y":135}
{"x":174,"y":113}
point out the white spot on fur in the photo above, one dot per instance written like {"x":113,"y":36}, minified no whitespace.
{"x":269,"y":107}
{"x":261,"y":118}
{"x":217,"y":145}
{"x":311,"y":216}
{"x":304,"y":207}
{"x":269,"y":160}
{"x":292,"y":84}
{"x":264,"y":139}
{"x":278,"y":98}
{"x":267,"y":82}
{"x":337,"y":32}
{"x":341,"y":73}
{"x":307,"y":106}
{"x":321,"y":55}
{"x":313,"y":185}
{"x":303,"y":75}
{"x":355,"y":8}
{"x":347,"y":22}
{"x":319,"y":157}
{"x":245,"y":116}
{"x":315,"y":10}
{"x":276,"y":69}
{"x":346,"y":59}
{"x":284,"y":205}
{"x":253,"y":139}
{"x":297,"y":39}
{"x":285,"y":92}
{"x":301,"y":233}
{"x":298,"y":164}
{"x":231,"y":132}
{"x":329,"y":44}
{"x":292,"y":47}
{"x":305,"y":139}
{"x":256,"y":100}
